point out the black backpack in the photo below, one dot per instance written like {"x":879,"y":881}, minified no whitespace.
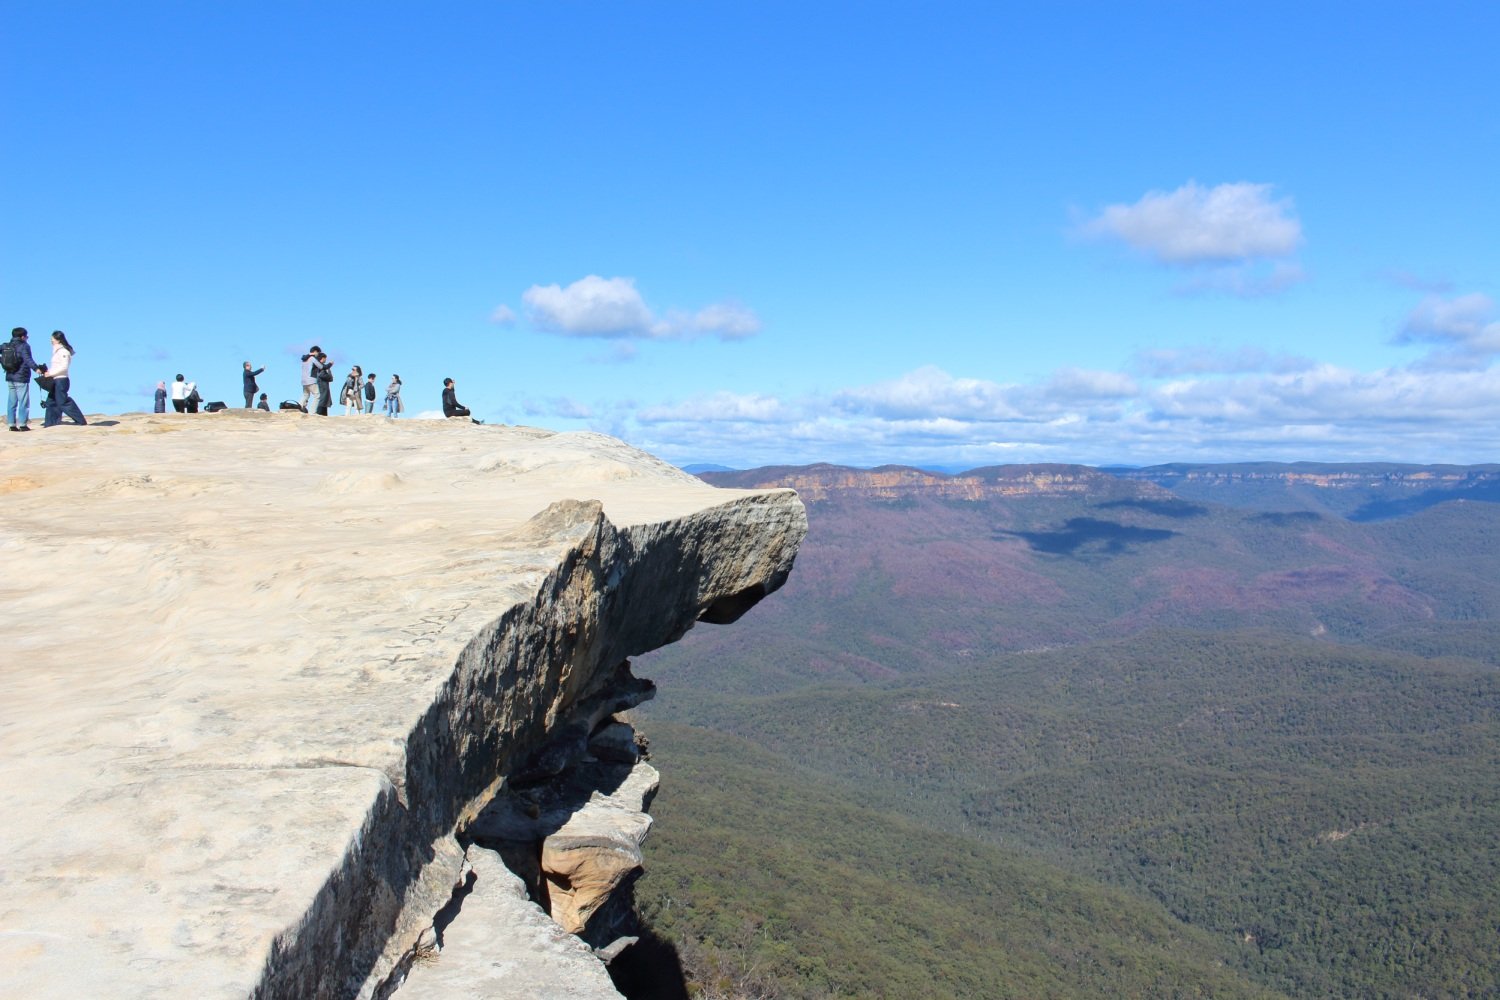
{"x":10,"y":357}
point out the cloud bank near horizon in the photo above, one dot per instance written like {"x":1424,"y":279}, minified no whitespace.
{"x":1194,"y":404}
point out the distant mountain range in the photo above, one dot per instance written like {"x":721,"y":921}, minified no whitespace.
{"x":1262,"y":699}
{"x":1367,"y":491}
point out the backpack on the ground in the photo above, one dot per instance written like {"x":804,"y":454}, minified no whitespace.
{"x":287,"y":404}
{"x":10,"y":357}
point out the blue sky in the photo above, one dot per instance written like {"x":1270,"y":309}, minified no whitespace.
{"x":945,"y":234}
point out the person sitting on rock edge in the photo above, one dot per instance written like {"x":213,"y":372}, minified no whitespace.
{"x":451,"y":406}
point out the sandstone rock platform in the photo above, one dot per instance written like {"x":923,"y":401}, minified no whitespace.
{"x":261,"y":669}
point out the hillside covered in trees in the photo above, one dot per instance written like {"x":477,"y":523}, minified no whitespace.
{"x":1269,"y":737}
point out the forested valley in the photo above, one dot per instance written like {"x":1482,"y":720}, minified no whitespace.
{"x":1108,"y":744}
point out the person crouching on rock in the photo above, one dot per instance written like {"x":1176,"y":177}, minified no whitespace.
{"x":451,"y":406}
{"x":59,"y":403}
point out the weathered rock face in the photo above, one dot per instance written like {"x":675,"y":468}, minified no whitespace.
{"x":275,"y":665}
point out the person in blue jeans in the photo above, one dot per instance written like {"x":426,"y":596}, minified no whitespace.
{"x":18,"y":383}
{"x":393,"y":396}
{"x":59,"y":403}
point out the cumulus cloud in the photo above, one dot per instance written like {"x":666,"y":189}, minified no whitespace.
{"x":503,"y":315}
{"x":1199,"y":225}
{"x":613,"y":308}
{"x":1276,"y":412}
{"x":1082,"y":384}
{"x":1464,"y":328}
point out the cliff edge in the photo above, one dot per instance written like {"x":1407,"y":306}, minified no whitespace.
{"x":271,"y":680}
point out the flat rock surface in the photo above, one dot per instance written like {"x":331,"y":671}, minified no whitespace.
{"x":199,"y":701}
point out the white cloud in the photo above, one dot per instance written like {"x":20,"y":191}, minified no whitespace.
{"x":1280,"y":412}
{"x":590,"y":307}
{"x":612,"y":307}
{"x":1464,"y":328}
{"x":1198,"y":225}
{"x":723,"y":407}
{"x":503,"y":315}
{"x":727,"y":321}
{"x":930,"y":391}
{"x":1082,"y":384}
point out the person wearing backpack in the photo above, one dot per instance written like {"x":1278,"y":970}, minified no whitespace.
{"x":16,"y":359}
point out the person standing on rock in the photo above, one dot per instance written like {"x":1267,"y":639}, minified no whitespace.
{"x":369,"y":391}
{"x":323,"y":372}
{"x":59,"y":403}
{"x":309,"y":378}
{"x":18,"y":380}
{"x":393,"y":397}
{"x":179,"y":394}
{"x":251,"y":388}
{"x":161,"y":398}
{"x":349,"y":394}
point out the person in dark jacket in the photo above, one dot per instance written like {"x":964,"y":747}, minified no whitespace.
{"x":251,"y":388}
{"x":322,"y":370}
{"x":451,"y":406}
{"x":264,"y":404}
{"x":18,"y":383}
{"x":161,"y":397}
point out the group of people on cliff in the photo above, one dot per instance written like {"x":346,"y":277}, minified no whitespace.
{"x":54,"y":378}
{"x":357,"y":395}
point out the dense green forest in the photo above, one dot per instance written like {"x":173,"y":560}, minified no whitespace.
{"x":1276,"y":732}
{"x":1334,"y":809}
{"x":776,"y":883}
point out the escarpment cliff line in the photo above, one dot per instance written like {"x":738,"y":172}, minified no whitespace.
{"x":264,"y":670}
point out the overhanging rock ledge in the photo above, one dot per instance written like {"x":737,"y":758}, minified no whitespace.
{"x":272,"y":666}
